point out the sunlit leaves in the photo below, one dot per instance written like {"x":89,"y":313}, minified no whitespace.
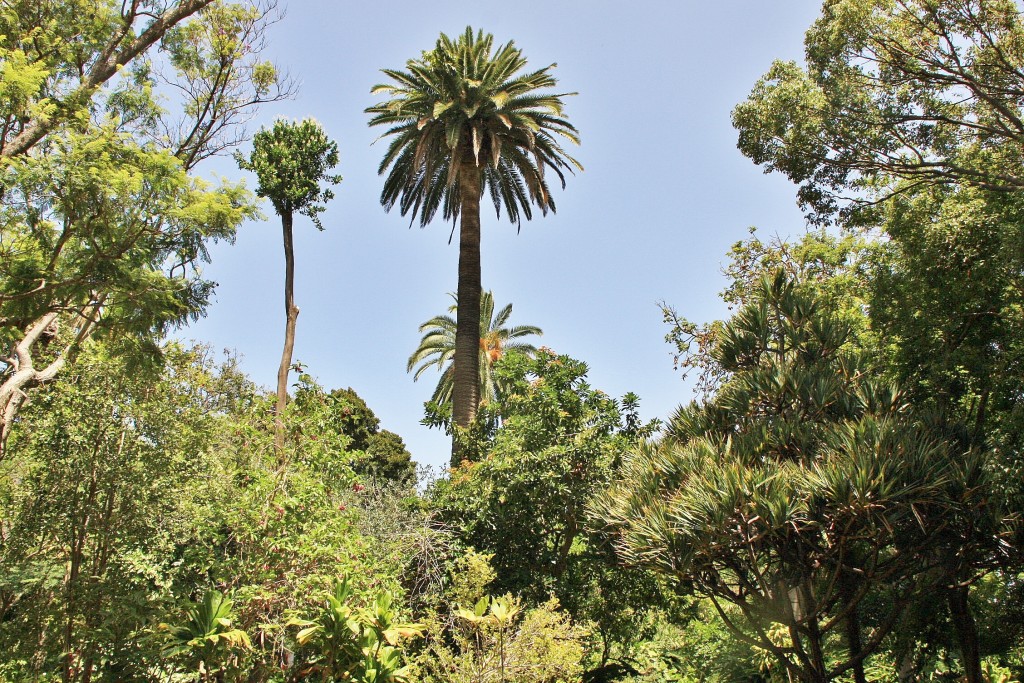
{"x":291,"y":160}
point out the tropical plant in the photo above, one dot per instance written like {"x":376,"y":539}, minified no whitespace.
{"x":806,"y":494}
{"x":500,"y":641}
{"x":207,"y":634}
{"x":346,"y":643}
{"x":437,"y":348}
{"x":462,"y":119}
{"x":291,"y":160}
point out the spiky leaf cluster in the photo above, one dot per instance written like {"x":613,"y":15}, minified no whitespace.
{"x":468,"y":107}
{"x":802,"y":486}
{"x":437,"y":348}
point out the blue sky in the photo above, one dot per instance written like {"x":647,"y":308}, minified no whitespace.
{"x":664,"y":195}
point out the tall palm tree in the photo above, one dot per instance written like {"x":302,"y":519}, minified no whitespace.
{"x":437,"y":348}
{"x":464,"y":118}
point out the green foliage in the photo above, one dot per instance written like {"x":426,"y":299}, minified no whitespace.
{"x":103,"y":225}
{"x":206,"y":634}
{"x":467,"y":107}
{"x":114,"y":231}
{"x":291,"y":160}
{"x":803,"y":486}
{"x":386,"y":459}
{"x":836,"y":270}
{"x":340,"y":427}
{"x":498,"y":641}
{"x":344,"y":643}
{"x":917,"y":91}
{"x":220,"y":77}
{"x":437,"y":348}
{"x":947,"y":298}
{"x":522,"y":498}
{"x":110,"y":479}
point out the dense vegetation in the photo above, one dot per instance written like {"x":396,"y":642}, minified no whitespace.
{"x":842,"y":500}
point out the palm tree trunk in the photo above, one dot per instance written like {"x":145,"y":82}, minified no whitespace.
{"x":291,"y":315}
{"x":466,"y":388}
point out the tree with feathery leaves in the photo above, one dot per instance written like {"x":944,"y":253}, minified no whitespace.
{"x":437,"y":348}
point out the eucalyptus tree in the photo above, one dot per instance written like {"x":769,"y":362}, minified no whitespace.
{"x":464,"y":118}
{"x":437,"y":348}
{"x":291,"y":160}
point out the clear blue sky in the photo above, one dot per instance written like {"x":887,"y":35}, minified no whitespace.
{"x":664,"y":195}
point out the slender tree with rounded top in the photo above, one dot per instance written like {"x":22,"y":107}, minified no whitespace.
{"x":291,"y":160}
{"x":462,"y":119}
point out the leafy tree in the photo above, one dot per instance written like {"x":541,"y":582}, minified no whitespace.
{"x":344,"y":419}
{"x":836,"y":270}
{"x":103,"y":224}
{"x":437,"y":348}
{"x":217,"y":69}
{"x":97,"y":503}
{"x":386,"y":458}
{"x":946,"y":300}
{"x":522,"y":497}
{"x":921,"y":91}
{"x":62,"y":53}
{"x":946,"y":297}
{"x":906,"y":109}
{"x":291,"y":160}
{"x":805,"y":493}
{"x":463,"y":119}
{"x":940,"y":297}
{"x":115,"y":250}
{"x":354,"y":418}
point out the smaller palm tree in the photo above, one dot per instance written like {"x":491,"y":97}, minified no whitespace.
{"x":437,"y":347}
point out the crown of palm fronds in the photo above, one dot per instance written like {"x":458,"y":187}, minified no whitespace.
{"x":437,"y":347}
{"x":465,"y":104}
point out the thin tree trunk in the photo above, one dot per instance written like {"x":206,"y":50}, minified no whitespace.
{"x":966,"y":633}
{"x":847,"y":591}
{"x":815,"y":640}
{"x":466,"y":389}
{"x":291,"y":312}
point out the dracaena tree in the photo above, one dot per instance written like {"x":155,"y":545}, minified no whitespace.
{"x":803,"y":496}
{"x":291,"y":160}
{"x":463,"y":119}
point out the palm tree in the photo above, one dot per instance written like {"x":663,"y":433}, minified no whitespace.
{"x":437,"y":348}
{"x":463,"y":118}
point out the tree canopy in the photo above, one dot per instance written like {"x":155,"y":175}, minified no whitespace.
{"x":894,"y":95}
